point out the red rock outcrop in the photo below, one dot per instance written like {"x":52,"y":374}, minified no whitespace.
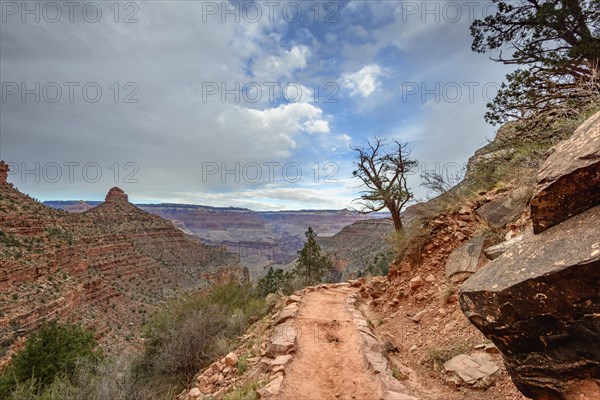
{"x":569,"y":180}
{"x":116,"y":195}
{"x":107,"y":267}
{"x":3,"y":172}
{"x":539,"y":301}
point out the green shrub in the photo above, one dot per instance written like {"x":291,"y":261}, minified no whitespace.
{"x":50,"y":353}
{"x":242,"y":365}
{"x":9,"y":240}
{"x":60,"y":234}
{"x":188,"y":333}
{"x":274,"y":281}
{"x":109,"y":379}
{"x":247,"y":392}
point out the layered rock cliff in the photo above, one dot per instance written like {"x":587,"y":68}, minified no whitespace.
{"x":108,"y":267}
{"x":262,"y":239}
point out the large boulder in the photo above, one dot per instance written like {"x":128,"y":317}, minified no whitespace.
{"x":569,"y":180}
{"x":539,"y":302}
{"x":505,"y":209}
{"x":477,"y":369}
{"x":466,"y":259}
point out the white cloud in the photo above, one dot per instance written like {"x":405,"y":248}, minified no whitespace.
{"x":317,"y":126}
{"x":270,"y":133}
{"x":282,"y":65}
{"x":363,"y":82}
{"x":294,"y":92}
{"x":276,"y":198}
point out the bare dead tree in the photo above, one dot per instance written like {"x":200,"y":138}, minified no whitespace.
{"x":439,"y":183}
{"x":384,"y":173}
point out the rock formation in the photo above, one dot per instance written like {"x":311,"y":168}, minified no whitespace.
{"x":466,"y":259}
{"x":505,"y":209}
{"x":116,"y":195}
{"x":108,"y":267}
{"x":3,"y":172}
{"x":569,"y":180}
{"x":539,"y":300}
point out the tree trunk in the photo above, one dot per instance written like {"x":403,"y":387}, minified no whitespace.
{"x":397,"y":222}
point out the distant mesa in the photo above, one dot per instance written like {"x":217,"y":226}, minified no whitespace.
{"x":116,"y":195}
{"x":78,"y":207}
{"x":3,"y":172}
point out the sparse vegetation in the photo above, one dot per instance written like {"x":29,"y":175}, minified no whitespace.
{"x":398,"y":375}
{"x":445,"y":292}
{"x":408,"y":243}
{"x":438,"y":356}
{"x":513,"y":160}
{"x":380,"y":265}
{"x":188,"y":333}
{"x":60,"y":234}
{"x":247,"y":392}
{"x":60,"y":361}
{"x":9,"y":240}
{"x":242,"y":365}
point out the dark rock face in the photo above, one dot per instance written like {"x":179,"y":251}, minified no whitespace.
{"x":466,"y":259}
{"x":569,"y":180}
{"x":540,"y":304}
{"x":499,"y":212}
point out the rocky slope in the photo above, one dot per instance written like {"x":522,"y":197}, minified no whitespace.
{"x":107,"y":267}
{"x":531,"y":295}
{"x":539,"y":300}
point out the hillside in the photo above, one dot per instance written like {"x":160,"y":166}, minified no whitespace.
{"x":108,"y":267}
{"x":363,"y":247}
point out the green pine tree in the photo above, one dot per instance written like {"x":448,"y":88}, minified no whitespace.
{"x":311,"y":264}
{"x":273,"y":281}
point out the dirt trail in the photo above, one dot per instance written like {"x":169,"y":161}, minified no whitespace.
{"x":329,"y":363}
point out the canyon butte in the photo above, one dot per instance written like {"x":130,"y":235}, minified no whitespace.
{"x":107,"y":268}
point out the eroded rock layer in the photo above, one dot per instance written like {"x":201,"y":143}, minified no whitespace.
{"x":540,"y":305}
{"x":569,"y":180}
{"x":107,"y":268}
{"x":539,"y":300}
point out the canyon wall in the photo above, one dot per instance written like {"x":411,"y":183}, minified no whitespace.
{"x":108,"y":267}
{"x":262,"y":239}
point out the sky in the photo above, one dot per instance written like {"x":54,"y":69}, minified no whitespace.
{"x":242,"y":104}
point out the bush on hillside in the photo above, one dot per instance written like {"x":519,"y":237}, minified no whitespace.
{"x":188,"y":333}
{"x":51,"y":353}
